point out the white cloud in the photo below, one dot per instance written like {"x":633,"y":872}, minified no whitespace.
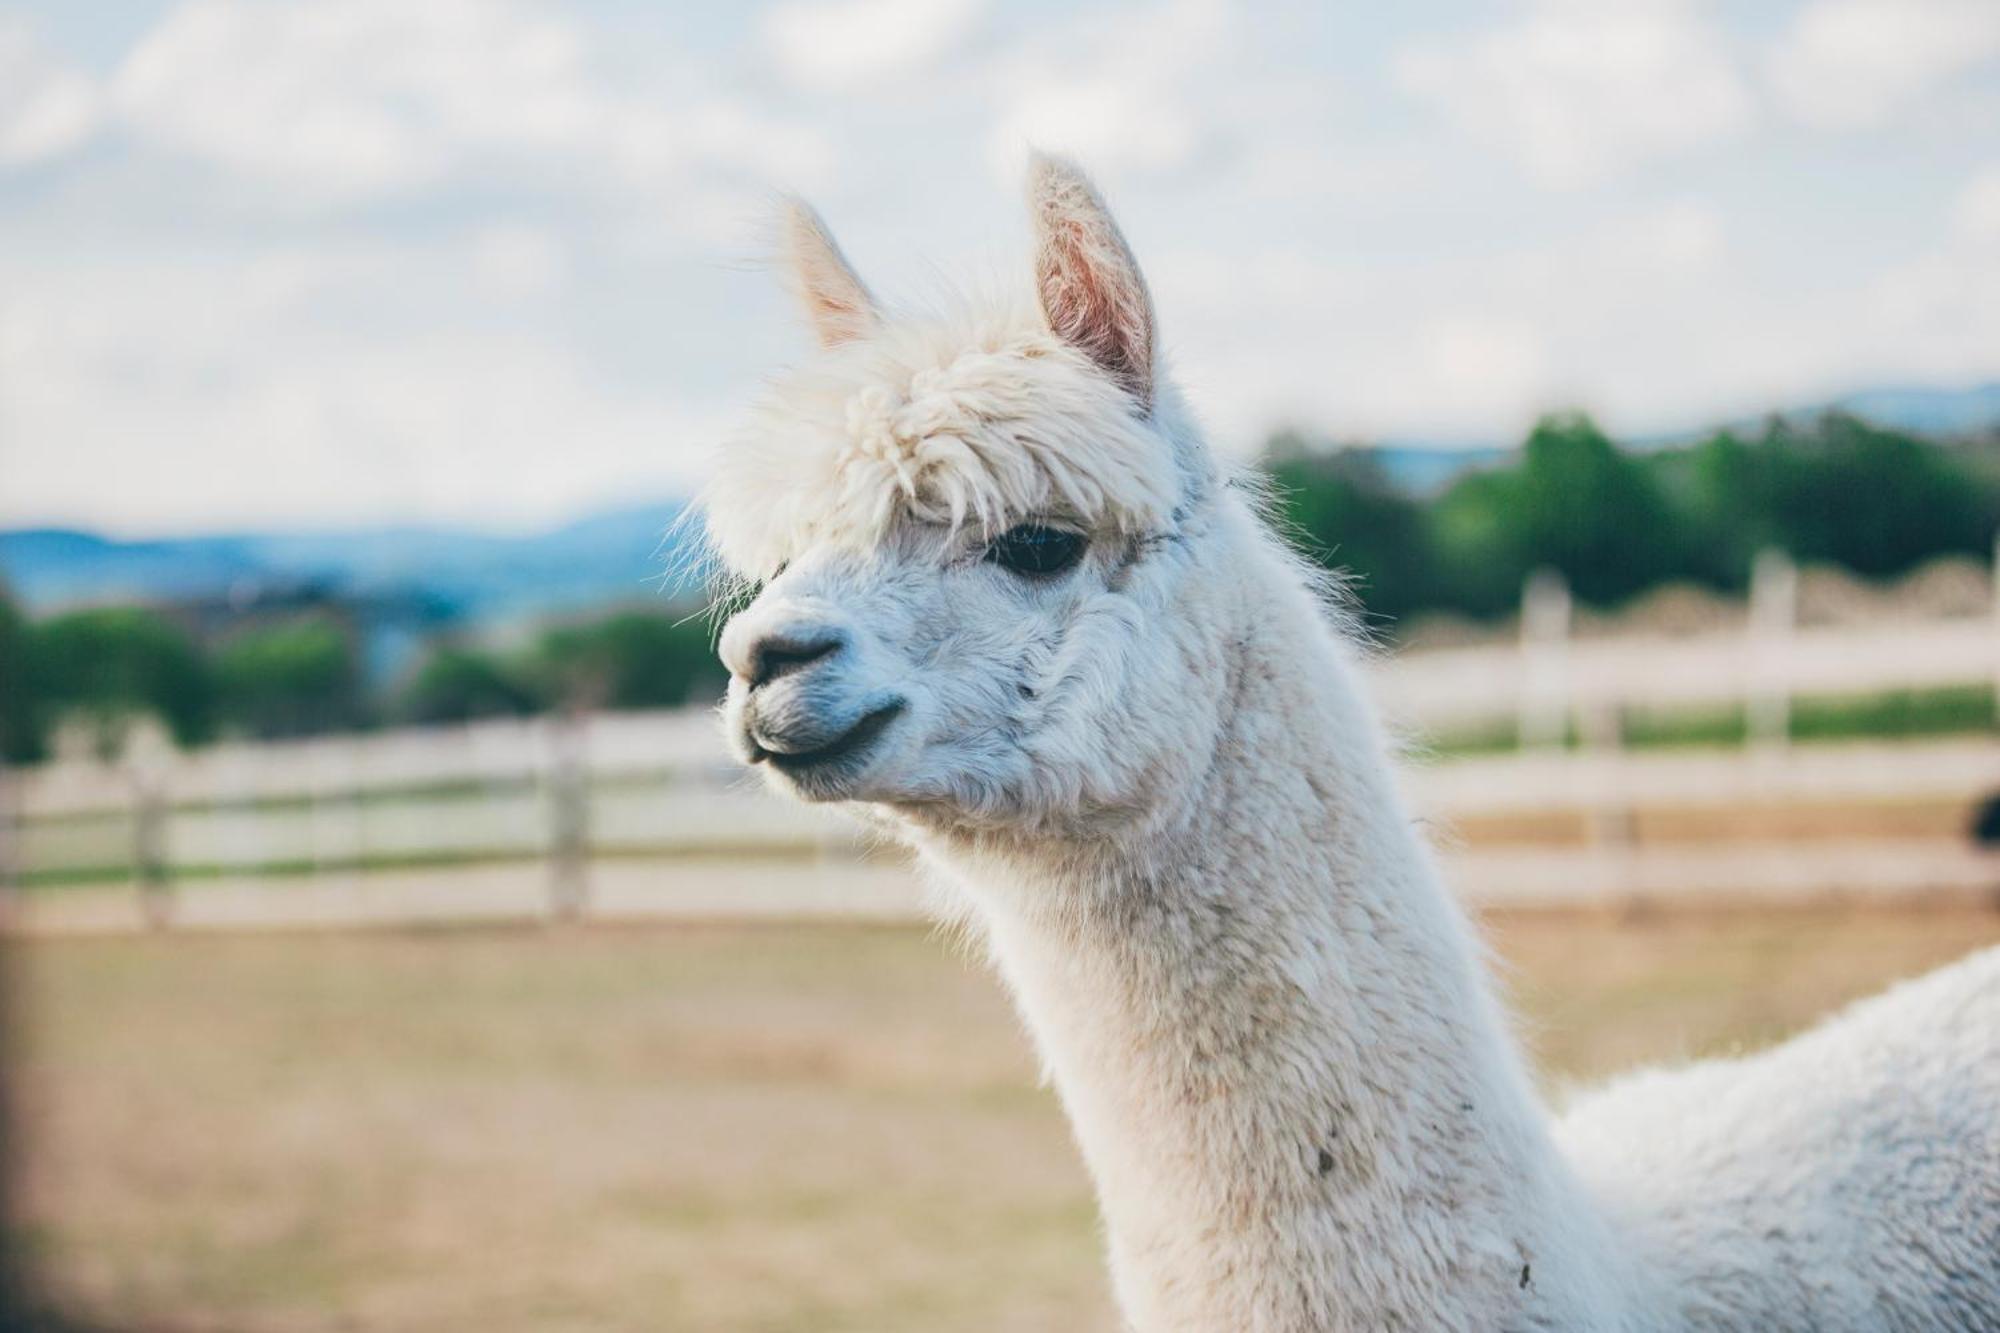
{"x":352,"y":367}
{"x":1141,"y":89}
{"x":351,"y":100}
{"x":1685,"y":236}
{"x":1496,"y":361}
{"x":46,"y":109}
{"x":1619,"y":318}
{"x":354,"y":98}
{"x":514,"y":260}
{"x":1937,"y":315}
{"x":1576,"y":90}
{"x":472,"y":260}
{"x":1859,"y":63}
{"x":843,"y":44}
{"x":242,"y":392}
{"x":1976,"y":215}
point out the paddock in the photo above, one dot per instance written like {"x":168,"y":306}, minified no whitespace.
{"x":724,"y":1129}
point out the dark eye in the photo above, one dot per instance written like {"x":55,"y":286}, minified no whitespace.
{"x":1033,"y":549}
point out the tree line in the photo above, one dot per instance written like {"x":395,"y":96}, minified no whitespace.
{"x":1834,"y":489}
{"x":102,"y":667}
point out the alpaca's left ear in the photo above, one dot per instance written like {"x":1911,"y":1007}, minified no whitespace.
{"x":836,"y":300}
{"x":1090,"y":285}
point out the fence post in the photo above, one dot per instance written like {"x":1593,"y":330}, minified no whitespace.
{"x":1774,"y":608}
{"x":569,"y":816}
{"x":1545,"y":692}
{"x":1601,"y":730}
{"x":335,"y":818}
{"x":1996,"y":628}
{"x":149,"y":848}
{"x":12,"y":861}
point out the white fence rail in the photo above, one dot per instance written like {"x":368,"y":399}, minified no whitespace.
{"x":1549,"y":673}
{"x":471,"y":821}
{"x":638,"y":813}
{"x":1450,"y":686}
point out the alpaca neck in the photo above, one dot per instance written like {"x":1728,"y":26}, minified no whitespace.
{"x":1269,"y":1027}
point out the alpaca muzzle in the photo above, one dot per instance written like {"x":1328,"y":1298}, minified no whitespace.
{"x":820,"y":748}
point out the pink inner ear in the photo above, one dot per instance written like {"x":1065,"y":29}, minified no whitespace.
{"x":1094,"y":300}
{"x":836,"y":320}
{"x":836,"y":301}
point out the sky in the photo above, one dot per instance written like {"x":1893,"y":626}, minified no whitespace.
{"x":500,"y":262}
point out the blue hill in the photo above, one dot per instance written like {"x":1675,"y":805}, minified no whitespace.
{"x":618,"y":556}
{"x":1928,"y":411}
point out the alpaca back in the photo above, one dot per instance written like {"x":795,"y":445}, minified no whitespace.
{"x":1847,"y":1180}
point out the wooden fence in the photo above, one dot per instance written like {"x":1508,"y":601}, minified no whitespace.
{"x":642,"y":813}
{"x":1552,"y":679}
{"x":603,"y":816}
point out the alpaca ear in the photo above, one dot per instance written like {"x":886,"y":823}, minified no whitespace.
{"x":837,"y":302}
{"x":1091,"y":290}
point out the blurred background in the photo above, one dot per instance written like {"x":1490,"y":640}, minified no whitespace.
{"x":391,"y":942}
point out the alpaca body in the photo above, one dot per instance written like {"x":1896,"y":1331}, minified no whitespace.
{"x":1846,"y":1180}
{"x":1011,"y":610}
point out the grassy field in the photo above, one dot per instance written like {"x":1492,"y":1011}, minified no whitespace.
{"x":722,"y":1130}
{"x":1950,"y":710}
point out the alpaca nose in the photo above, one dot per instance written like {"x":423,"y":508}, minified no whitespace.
{"x":786,"y":651}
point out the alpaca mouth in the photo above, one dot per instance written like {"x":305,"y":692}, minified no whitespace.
{"x":849,"y":745}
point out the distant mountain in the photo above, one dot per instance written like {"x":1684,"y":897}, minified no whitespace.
{"x":618,"y":555}
{"x":1424,"y":468}
{"x":1928,"y":411}
{"x":54,"y":566}
{"x":1922,"y":411}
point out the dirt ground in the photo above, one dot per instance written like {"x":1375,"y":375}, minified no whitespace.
{"x":723,"y":1130}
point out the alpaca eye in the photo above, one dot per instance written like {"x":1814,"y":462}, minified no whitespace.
{"x":1033,"y":549}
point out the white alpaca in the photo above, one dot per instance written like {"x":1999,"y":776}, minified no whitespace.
{"x":1013,"y":610}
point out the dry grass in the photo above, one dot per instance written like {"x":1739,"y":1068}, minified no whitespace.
{"x":702,"y":1129}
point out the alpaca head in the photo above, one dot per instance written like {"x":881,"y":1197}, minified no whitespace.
{"x":973,"y":539}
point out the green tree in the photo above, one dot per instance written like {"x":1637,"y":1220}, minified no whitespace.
{"x":459,"y":684}
{"x":1834,"y":489}
{"x":1480,"y":551}
{"x":1349,"y":514}
{"x":1723,"y":488}
{"x":290,"y":680}
{"x":1591,"y":511}
{"x":1876,"y":501}
{"x":106,"y":665}
{"x":635,"y":659}
{"x":22,"y":738}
